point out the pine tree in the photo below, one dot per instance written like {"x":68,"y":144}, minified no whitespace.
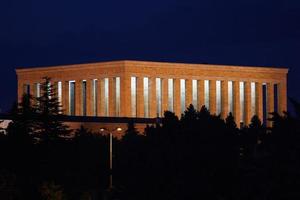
{"x":170,"y":121}
{"x":230,"y":123}
{"x":255,"y":123}
{"x":48,"y":109}
{"x":82,"y":132}
{"x":131,"y":131}
{"x":190,"y":114}
{"x":21,"y":129}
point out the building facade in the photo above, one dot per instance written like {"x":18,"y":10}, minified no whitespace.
{"x":141,"y":89}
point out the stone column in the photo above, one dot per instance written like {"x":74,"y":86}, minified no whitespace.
{"x":188,"y":93}
{"x":224,"y":99}
{"x":89,"y":97}
{"x":270,"y":102}
{"x":33,"y":92}
{"x":125,"y":96}
{"x":247,"y":106}
{"x":99,"y":97}
{"x":94,"y":101}
{"x":65,"y":97}
{"x":102,"y":98}
{"x":152,"y":103}
{"x":20,"y":91}
{"x":164,"y":95}
{"x":112,"y":97}
{"x":200,"y":94}
{"x":54,"y":85}
{"x":259,"y":101}
{"x":177,"y":109}
{"x":212,"y":96}
{"x":140,"y":97}
{"x":282,"y":97}
{"x":78,"y":97}
{"x":60,"y":100}
{"x":236,"y":102}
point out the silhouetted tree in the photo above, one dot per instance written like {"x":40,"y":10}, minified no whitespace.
{"x":48,"y":108}
{"x":252,"y":137}
{"x":131,"y":131}
{"x":8,"y":186}
{"x":82,"y":132}
{"x":17,"y":146}
{"x":230,"y":122}
{"x":170,"y":125}
{"x":190,"y":114}
{"x":199,"y":156}
{"x":283,"y":142}
{"x":204,"y":114}
{"x":52,"y":191}
{"x":22,"y":127}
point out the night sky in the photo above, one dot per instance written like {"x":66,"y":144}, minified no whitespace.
{"x":234,"y":32}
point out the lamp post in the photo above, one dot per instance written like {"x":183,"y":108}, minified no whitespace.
{"x":110,"y":186}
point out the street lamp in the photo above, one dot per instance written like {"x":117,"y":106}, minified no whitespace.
{"x":118,"y":129}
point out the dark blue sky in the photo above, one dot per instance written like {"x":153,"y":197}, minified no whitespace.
{"x":238,"y":32}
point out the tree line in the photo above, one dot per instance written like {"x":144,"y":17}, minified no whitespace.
{"x":196,"y":156}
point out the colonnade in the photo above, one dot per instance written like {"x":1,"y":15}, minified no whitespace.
{"x":119,"y":97}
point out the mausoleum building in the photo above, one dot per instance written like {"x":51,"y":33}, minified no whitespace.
{"x":138,"y":89}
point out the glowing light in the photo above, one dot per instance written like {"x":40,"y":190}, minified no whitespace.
{"x":242,"y":101}
{"x":158,"y":97}
{"x":230,"y":96}
{"x":71,"y":97}
{"x":206,"y":93}
{"x":118,"y":96}
{"x":182,"y":95}
{"x":170,"y":95}
{"x":195,"y":93}
{"x":133,"y":96}
{"x":95,"y":81}
{"x":106,"y":96}
{"x":146,"y":96}
{"x":218,"y":97}
{"x":253,"y":98}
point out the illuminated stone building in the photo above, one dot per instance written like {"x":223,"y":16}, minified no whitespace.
{"x":140,"y":89}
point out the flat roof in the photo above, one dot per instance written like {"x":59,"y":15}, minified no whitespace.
{"x":147,"y":63}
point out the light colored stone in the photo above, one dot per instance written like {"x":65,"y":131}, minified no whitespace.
{"x":224,"y":99}
{"x":125,"y":69}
